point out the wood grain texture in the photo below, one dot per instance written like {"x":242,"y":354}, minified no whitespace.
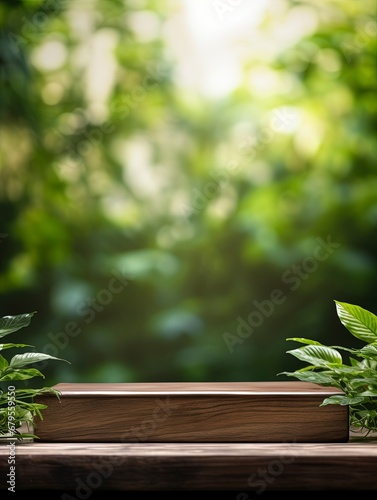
{"x":81,"y":469}
{"x":193,"y":388}
{"x":193,"y":412}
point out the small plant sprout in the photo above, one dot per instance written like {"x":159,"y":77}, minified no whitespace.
{"x":17,"y":406}
{"x":357,"y":380}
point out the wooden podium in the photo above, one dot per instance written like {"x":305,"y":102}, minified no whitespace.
{"x":199,"y":412}
{"x":241,"y":438}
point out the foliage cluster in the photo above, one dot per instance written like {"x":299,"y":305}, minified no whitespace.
{"x":18,"y":408}
{"x":357,"y":378}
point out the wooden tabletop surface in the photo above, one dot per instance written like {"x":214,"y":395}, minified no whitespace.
{"x":275,"y":389}
{"x":81,"y":469}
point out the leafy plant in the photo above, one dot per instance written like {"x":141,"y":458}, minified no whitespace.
{"x":17,"y":405}
{"x":357,"y":379}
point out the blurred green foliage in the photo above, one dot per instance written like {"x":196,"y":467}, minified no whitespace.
{"x":166,"y":235}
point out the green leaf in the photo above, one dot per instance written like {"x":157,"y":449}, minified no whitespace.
{"x":354,"y":362}
{"x":22,"y":374}
{"x":357,"y":381}
{"x":361,"y":323}
{"x":304,"y":341}
{"x":364,"y":381}
{"x":3,"y":363}
{"x":370,"y":394}
{"x":313,"y":377}
{"x":347,"y":371}
{"x":9,"y":346}
{"x":342,"y":400}
{"x":368,"y":351}
{"x":317,"y":355}
{"x":9,"y":324}
{"x":20,"y":360}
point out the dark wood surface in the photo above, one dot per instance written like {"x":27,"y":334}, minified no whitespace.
{"x":65,"y":469}
{"x":82,"y":469}
{"x":192,"y":412}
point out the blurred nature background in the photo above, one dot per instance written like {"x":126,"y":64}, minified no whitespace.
{"x":186,"y":184}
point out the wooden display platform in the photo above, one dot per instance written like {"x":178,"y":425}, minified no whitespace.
{"x":71,"y":471}
{"x":222,"y":412}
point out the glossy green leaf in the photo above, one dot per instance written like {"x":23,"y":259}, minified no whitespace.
{"x":304,"y":340}
{"x":361,"y":323}
{"x":370,"y":394}
{"x":22,"y":374}
{"x":365,"y":380}
{"x":10,"y":346}
{"x":20,"y":360}
{"x":3,"y":363}
{"x":317,"y":355}
{"x":10,"y":324}
{"x":313,"y":377}
{"x":342,"y":400}
{"x":369,"y":351}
